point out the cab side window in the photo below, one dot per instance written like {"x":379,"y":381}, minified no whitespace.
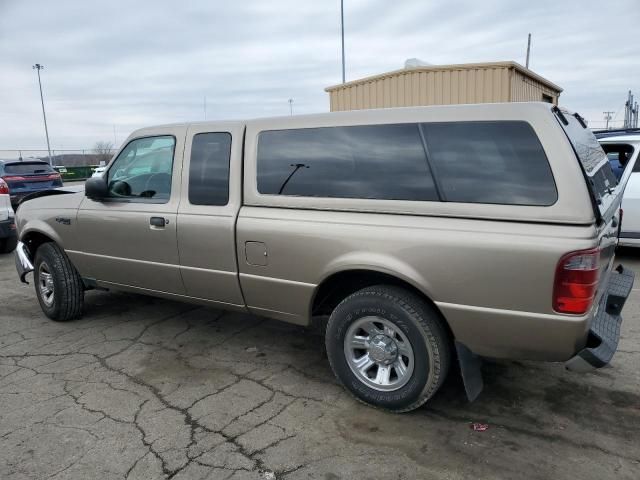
{"x":209,"y":169}
{"x":143,"y":170}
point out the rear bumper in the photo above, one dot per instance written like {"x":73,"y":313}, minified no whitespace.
{"x":604,"y":332}
{"x":7,"y":228}
{"x":24,"y":264}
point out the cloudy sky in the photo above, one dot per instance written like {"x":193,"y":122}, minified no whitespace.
{"x":125,"y":64}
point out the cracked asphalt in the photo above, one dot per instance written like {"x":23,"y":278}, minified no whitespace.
{"x":143,"y":388}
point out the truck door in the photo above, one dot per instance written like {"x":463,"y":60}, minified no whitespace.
{"x":129,"y":238}
{"x":207,"y":213}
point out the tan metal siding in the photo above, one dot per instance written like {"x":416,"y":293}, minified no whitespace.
{"x":479,"y":83}
{"x":525,"y":89}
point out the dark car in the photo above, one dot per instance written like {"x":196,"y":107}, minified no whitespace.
{"x":29,"y":176}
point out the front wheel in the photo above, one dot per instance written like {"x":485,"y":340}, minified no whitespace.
{"x":59,"y":288}
{"x":388,"y":347}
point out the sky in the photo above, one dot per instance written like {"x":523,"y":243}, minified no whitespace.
{"x":112,"y":67}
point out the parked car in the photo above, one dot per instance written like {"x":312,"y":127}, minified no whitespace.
{"x":623,"y":148}
{"x":27,"y":177}
{"x":98,"y":171}
{"x":8,"y":237}
{"x":416,"y":236}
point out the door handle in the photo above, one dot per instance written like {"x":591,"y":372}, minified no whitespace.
{"x":158,"y":222}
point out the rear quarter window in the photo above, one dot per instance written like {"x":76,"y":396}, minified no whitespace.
{"x":500,"y":162}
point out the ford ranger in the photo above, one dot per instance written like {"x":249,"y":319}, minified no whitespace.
{"x":419,"y":237}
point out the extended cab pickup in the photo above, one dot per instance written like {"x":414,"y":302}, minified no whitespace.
{"x":424,"y":236}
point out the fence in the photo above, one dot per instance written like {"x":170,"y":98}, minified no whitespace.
{"x":67,"y":158}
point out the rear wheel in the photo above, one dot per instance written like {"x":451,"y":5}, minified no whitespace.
{"x":388,"y":347}
{"x":58,"y":285}
{"x":8,"y":245}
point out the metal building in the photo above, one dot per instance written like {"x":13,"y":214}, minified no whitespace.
{"x":444,"y":85}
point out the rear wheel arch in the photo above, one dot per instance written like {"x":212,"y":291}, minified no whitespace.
{"x":338,"y":286}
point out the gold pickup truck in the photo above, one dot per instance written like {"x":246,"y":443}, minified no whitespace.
{"x":419,"y":236}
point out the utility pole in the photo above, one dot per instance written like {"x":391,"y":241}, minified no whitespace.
{"x":528,"y":50}
{"x":608,"y":117}
{"x":342,"y":36}
{"x":290,"y":106}
{"x":205,"y":107}
{"x":115,"y":140}
{"x":39,"y":67}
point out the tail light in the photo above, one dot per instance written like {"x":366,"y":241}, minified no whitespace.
{"x":14,"y":178}
{"x":4,"y":188}
{"x":19,"y":178}
{"x":576,"y":281}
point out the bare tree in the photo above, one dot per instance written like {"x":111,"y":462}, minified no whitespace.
{"x":103,"y":151}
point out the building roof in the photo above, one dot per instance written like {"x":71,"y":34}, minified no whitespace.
{"x":460,"y":66}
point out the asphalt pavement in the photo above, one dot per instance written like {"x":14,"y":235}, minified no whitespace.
{"x":148,"y":388}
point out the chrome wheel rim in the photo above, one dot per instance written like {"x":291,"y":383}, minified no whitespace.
{"x":45,"y":284}
{"x":379,"y":353}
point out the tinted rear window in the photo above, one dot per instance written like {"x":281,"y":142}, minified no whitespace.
{"x":490,"y":162}
{"x":27,"y":168}
{"x":370,"y":161}
{"x":600,"y":176}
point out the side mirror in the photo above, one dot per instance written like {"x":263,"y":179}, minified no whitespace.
{"x":95,"y":188}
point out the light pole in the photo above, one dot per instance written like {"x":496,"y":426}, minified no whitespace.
{"x":342,"y":35}
{"x":39,"y":67}
{"x":290,"y":106}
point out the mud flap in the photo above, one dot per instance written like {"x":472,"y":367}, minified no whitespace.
{"x":470,"y":368}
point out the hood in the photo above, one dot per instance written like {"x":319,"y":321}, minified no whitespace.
{"x":57,"y":198}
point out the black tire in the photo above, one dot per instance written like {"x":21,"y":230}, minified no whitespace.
{"x":67,"y":297}
{"x":8,"y":245}
{"x":413,"y":318}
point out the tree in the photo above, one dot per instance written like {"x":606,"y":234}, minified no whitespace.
{"x":103,"y":151}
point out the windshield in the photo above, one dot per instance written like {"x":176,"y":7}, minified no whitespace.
{"x":601,"y":178}
{"x":619,"y":156}
{"x":27,"y":168}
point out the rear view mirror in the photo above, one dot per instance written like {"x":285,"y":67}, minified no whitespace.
{"x":95,"y":188}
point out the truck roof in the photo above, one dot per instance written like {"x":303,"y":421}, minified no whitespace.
{"x":359,"y":115}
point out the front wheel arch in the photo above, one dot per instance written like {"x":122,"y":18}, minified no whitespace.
{"x":33,"y":240}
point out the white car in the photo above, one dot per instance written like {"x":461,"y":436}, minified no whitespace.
{"x":98,"y":171}
{"x":623,"y":148}
{"x":8,"y":239}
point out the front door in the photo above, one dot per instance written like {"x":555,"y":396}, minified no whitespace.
{"x":130,"y":237}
